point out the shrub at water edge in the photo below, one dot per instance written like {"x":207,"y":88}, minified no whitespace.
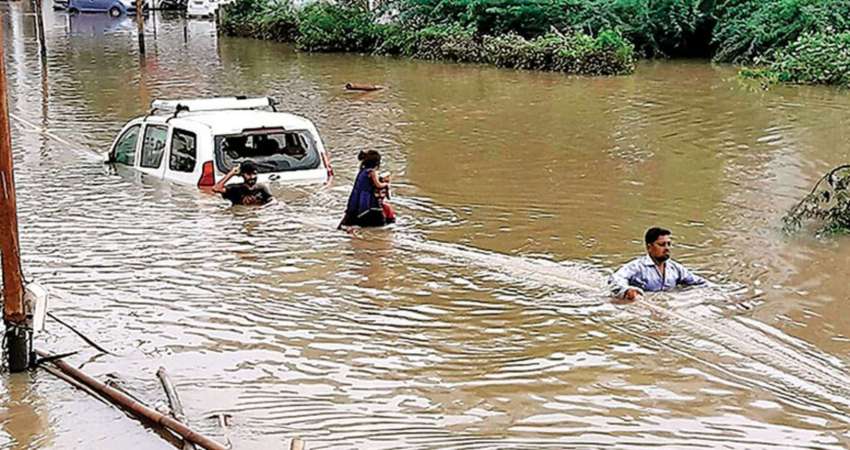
{"x":264,"y":19}
{"x":748,"y":29}
{"x":326,"y":27}
{"x":814,"y":58}
{"x":333,"y":27}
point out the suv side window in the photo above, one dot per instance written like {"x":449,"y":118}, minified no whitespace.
{"x":153,"y":146}
{"x":183,"y":153}
{"x":125,"y":148}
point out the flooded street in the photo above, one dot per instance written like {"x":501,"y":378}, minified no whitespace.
{"x":480,"y":320}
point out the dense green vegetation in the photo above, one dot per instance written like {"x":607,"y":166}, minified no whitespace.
{"x":800,"y":41}
{"x":323,"y":26}
{"x":814,"y":58}
{"x":748,"y":29}
{"x":265,"y":19}
{"x":656,"y":28}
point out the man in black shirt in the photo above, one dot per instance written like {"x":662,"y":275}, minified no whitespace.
{"x":246,"y":193}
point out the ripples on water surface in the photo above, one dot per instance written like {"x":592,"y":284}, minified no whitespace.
{"x":478,"y":322}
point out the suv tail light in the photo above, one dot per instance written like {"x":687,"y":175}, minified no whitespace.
{"x":207,"y":175}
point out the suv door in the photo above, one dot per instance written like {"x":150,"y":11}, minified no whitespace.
{"x":182,"y":157}
{"x":152,"y":153}
{"x":124,"y":150}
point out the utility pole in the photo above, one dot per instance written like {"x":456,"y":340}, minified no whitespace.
{"x":140,"y":25}
{"x":14,"y":317}
{"x":39,"y":25}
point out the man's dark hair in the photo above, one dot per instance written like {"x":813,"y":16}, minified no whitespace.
{"x":248,"y":167}
{"x":654,"y":233}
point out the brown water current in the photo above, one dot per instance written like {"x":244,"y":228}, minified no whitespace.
{"x":479,"y":321}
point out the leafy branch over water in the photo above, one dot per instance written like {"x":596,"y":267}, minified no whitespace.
{"x":827,"y":203}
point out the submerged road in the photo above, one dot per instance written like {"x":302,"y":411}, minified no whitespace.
{"x":480,"y":320}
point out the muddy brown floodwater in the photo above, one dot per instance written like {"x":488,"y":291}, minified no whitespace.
{"x":477,"y":322}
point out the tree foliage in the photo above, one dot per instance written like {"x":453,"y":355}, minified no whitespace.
{"x":747,"y":29}
{"x":828,"y":204}
{"x":800,"y":41}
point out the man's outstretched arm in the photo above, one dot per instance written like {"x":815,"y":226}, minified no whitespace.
{"x":618,"y":283}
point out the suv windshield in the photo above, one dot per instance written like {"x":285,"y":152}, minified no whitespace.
{"x":271,"y":150}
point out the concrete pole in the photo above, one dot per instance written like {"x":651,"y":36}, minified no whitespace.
{"x":14,"y":316}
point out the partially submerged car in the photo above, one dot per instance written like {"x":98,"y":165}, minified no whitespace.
{"x":197,"y":141}
{"x":201,"y":8}
{"x":114,"y":8}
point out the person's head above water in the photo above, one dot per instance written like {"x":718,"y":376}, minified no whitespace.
{"x":658,"y":243}
{"x":248,"y":170}
{"x":369,"y":159}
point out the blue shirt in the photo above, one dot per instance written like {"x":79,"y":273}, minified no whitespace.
{"x":643,"y":275}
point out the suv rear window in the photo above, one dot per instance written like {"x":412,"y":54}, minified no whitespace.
{"x":183,"y":151}
{"x":272,"y":151}
{"x":153,"y":146}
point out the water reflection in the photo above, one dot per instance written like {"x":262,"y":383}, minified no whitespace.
{"x":23,"y":414}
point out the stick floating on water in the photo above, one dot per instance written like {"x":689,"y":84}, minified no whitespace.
{"x":174,"y":402}
{"x":362,"y":87}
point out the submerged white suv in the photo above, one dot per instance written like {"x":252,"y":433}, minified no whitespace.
{"x":197,"y":141}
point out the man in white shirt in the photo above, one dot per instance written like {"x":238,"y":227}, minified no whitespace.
{"x":654,"y":271}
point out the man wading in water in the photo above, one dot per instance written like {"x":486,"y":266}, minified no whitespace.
{"x":246,"y":193}
{"x":652,"y":272}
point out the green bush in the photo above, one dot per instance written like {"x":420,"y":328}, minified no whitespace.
{"x":325,"y":27}
{"x":656,"y":28}
{"x":526,"y":18}
{"x":814,"y":58}
{"x":747,"y":29}
{"x":279,"y":21}
{"x":418,"y":14}
{"x":275,"y":19}
{"x":660,"y":27}
{"x":396,"y":40}
{"x":607,"y":54}
{"x":238,"y":18}
{"x":451,"y":42}
{"x":604,"y":55}
{"x":514,"y":51}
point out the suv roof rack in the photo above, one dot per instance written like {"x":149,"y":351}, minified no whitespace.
{"x":212,"y":104}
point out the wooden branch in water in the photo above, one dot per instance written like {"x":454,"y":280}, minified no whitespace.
{"x":362,"y":87}
{"x":174,"y":402}
{"x":58,"y":374}
{"x":133,"y":407}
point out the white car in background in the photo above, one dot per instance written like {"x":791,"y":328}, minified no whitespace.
{"x":197,"y":141}
{"x":201,"y":8}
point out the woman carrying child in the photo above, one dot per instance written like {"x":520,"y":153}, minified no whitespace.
{"x":366,"y":204}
